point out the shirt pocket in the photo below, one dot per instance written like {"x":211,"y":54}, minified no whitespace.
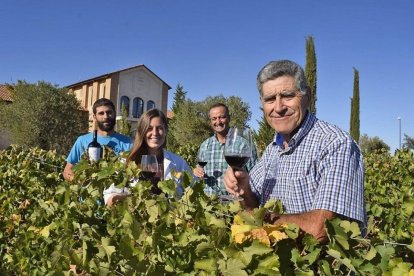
{"x":299,"y":194}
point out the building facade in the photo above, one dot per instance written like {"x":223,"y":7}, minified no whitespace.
{"x":137,"y":88}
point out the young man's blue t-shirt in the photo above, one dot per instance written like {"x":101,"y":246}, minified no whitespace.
{"x":117,"y":142}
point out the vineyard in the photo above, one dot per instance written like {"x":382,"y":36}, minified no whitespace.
{"x":51,"y":227}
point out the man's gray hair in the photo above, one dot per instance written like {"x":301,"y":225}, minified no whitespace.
{"x":279,"y":68}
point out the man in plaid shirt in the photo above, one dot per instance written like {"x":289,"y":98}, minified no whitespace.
{"x":212,"y":150}
{"x":314,"y":168}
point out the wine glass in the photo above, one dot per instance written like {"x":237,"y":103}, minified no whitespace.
{"x":148,"y":166}
{"x":237,"y":151}
{"x":201,"y":160}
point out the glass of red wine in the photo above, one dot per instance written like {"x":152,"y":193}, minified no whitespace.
{"x":201,"y":160}
{"x":149,"y":170}
{"x":237,"y":151}
{"x":149,"y":166}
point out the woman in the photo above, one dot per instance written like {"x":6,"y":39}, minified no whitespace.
{"x":150,"y":139}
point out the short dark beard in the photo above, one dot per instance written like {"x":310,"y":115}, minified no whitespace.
{"x":110,"y":127}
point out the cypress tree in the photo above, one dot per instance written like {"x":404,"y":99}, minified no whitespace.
{"x":310,"y":71}
{"x":354,"y":127}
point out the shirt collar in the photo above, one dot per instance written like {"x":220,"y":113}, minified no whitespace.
{"x":304,"y":128}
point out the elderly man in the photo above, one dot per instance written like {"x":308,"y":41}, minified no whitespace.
{"x":313,"y":167}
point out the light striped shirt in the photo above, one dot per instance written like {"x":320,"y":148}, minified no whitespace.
{"x":213,"y":152}
{"x":322,"y":168}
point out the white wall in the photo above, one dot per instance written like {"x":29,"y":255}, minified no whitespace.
{"x":139,"y":83}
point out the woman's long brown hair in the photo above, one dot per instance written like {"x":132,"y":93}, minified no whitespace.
{"x":140,"y":147}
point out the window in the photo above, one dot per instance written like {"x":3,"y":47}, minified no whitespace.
{"x":137,"y":108}
{"x":150,"y":105}
{"x":124,"y":102}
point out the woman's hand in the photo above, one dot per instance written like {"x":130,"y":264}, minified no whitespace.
{"x":115,"y":199}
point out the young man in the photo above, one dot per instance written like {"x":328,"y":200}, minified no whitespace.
{"x":213,"y":151}
{"x":313,"y":167}
{"x":105,"y":116}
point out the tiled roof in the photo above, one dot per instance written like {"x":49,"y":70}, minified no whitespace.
{"x":106,"y":75}
{"x":5,"y":94}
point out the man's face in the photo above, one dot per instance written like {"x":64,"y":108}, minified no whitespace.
{"x":105,"y":117}
{"x":219,"y":120}
{"x":283,"y":105}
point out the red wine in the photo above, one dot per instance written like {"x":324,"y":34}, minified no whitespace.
{"x":202,"y":163}
{"x":235,"y":161}
{"x":94,"y":148}
{"x":147,"y":174}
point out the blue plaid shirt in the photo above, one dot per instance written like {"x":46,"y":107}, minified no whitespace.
{"x":322,"y":168}
{"x":217,"y":165}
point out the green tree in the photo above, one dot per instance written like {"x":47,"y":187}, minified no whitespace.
{"x":310,"y":71}
{"x":264,"y":135}
{"x":123,"y":125}
{"x":354,"y":124}
{"x":372,"y":144}
{"x":43,"y":115}
{"x":408,"y":142}
{"x":179,"y":100}
{"x":179,"y":97}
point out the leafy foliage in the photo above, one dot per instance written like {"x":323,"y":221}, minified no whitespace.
{"x":408,"y":142}
{"x":389,"y":193}
{"x":49,"y":226}
{"x":123,"y":126}
{"x":372,"y":144}
{"x":43,"y":115}
{"x":189,"y":154}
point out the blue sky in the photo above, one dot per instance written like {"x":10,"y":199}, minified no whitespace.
{"x":217,"y":47}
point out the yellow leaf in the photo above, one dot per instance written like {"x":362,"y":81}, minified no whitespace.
{"x":260,"y":235}
{"x":241,"y":237}
{"x":276,"y":236}
{"x":236,"y":229}
{"x":240,"y":233}
{"x":45,"y":231}
{"x":238,"y":220}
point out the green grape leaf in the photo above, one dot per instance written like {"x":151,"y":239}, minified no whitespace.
{"x":371,"y":254}
{"x":209,"y":265}
{"x":203,"y":247}
{"x":232,"y":267}
{"x":167,"y":186}
{"x":255,"y":249}
{"x":109,"y":249}
{"x":403,"y":269}
{"x":344,"y":260}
